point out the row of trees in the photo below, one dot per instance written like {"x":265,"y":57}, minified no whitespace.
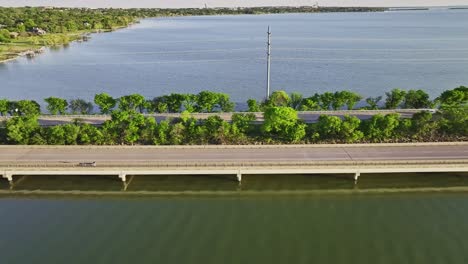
{"x":396,"y":98}
{"x":208,"y":102}
{"x":281,"y":125}
{"x":203,"y":102}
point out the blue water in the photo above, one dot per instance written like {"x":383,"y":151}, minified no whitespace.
{"x":366,"y":52}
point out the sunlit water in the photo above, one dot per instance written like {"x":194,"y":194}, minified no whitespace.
{"x":274,"y":222}
{"x":366,"y":52}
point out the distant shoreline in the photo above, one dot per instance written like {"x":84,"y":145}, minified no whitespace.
{"x":22,"y":47}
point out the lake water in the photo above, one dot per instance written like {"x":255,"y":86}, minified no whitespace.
{"x":269,"y":219}
{"x":366,"y":52}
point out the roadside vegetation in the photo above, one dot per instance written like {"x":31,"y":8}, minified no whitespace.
{"x":128,"y":124}
{"x":27,"y":29}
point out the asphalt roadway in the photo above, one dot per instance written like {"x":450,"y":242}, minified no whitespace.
{"x":11,"y":155}
{"x":307,"y":117}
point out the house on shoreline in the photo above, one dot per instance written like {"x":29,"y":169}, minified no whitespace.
{"x":38,"y":31}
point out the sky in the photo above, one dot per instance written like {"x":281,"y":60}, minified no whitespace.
{"x":227,"y":3}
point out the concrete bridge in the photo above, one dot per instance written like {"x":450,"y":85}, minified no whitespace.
{"x":125,"y":162}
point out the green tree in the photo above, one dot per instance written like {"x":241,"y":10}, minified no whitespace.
{"x":380,"y":128}
{"x":283,"y":123}
{"x":105,"y":102}
{"x":394,"y":98}
{"x":339,"y":100}
{"x":253,"y":105}
{"x":225,"y":103}
{"x":351,"y":98}
{"x":162,"y":133}
{"x":3,"y":107}
{"x":63,"y":134}
{"x":28,"y":108}
{"x":311,"y":103}
{"x":217,"y":130}
{"x":454,"y":120}
{"x":373,"y":102}
{"x":296,"y":101}
{"x":80,"y":106}
{"x":278,"y":98}
{"x":327,"y":127}
{"x":158,"y":105}
{"x":417,"y":99}
{"x":206,"y":101}
{"x":350,"y":129}
{"x":174,"y":102}
{"x":56,"y":105}
{"x":457,"y":96}
{"x":21,"y":129}
{"x":89,"y":135}
{"x":5,"y":36}
{"x":423,"y":126}
{"x":326,"y":100}
{"x":132,"y":102}
{"x":123,"y":128}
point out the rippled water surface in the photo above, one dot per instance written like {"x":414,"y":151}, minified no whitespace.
{"x":267,"y":219}
{"x":366,"y":52}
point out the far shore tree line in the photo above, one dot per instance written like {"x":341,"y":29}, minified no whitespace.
{"x":212,"y":102}
{"x":281,"y":125}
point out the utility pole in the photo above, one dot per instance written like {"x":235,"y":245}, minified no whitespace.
{"x":268,"y":63}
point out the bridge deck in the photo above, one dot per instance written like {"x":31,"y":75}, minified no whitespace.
{"x":238,"y":160}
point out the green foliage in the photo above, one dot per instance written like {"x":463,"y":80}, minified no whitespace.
{"x":105,"y":102}
{"x":63,"y":134}
{"x":80,"y":106}
{"x":423,"y":126}
{"x":89,"y":135}
{"x":326,"y":100}
{"x":123,"y":128}
{"x":283,"y":123}
{"x":26,"y":108}
{"x":3,"y":107}
{"x":380,"y":128}
{"x":311,"y":103}
{"x":21,"y":129}
{"x":417,"y":99}
{"x":394,"y":98}
{"x":457,"y":96}
{"x":206,"y":101}
{"x":162,"y":133}
{"x":56,"y":105}
{"x":5,"y":36}
{"x":253,"y":105}
{"x":454,"y":120}
{"x":295,"y":101}
{"x":278,"y":98}
{"x":132,"y":102}
{"x":334,"y":129}
{"x":373,"y":102}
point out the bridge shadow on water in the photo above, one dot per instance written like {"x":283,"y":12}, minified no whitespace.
{"x":228,"y":184}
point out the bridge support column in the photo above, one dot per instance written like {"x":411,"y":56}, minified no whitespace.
{"x":356,"y":176}
{"x":123,"y":177}
{"x":8,"y":176}
{"x":239,"y":176}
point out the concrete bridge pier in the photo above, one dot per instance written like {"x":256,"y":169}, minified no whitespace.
{"x":123,"y":177}
{"x":356,"y":176}
{"x":8,"y":176}
{"x":239,"y":177}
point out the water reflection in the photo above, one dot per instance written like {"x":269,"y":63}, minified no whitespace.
{"x":228,"y":184}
